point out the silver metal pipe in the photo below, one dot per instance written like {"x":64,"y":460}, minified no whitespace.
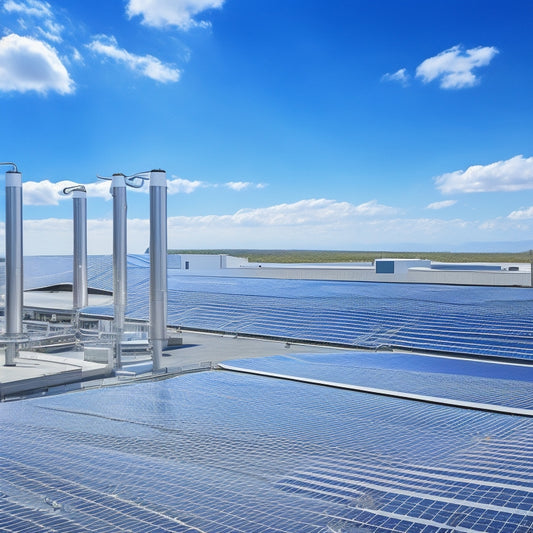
{"x":14,"y":263}
{"x":120,"y":258}
{"x":80,"y":285}
{"x":158,"y":266}
{"x":80,"y":289}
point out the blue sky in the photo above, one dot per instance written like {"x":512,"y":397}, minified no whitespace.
{"x":281,"y":123}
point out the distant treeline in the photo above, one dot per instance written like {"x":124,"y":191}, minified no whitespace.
{"x":327,"y":256}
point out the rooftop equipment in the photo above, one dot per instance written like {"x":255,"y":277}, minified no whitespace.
{"x":14,"y":263}
{"x":120,"y":253}
{"x":79,"y":283}
{"x":158,"y":258}
{"x":158,"y":265}
{"x":120,"y":258}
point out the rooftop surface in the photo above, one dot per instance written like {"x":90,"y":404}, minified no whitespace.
{"x":42,"y":372}
{"x":276,"y":435}
{"x":222,"y":451}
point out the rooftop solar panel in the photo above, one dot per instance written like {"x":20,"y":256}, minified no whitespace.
{"x":483,"y":383}
{"x":219,"y":451}
{"x":487,"y":321}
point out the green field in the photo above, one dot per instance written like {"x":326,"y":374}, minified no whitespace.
{"x":325,"y":256}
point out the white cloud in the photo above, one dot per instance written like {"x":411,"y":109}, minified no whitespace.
{"x":238,"y":185}
{"x":33,"y":8}
{"x":147,"y":65}
{"x":507,"y":228}
{"x":180,"y":13}
{"x":291,"y":226}
{"x":400,"y":76}
{"x":59,"y":232}
{"x":180,"y":185}
{"x":373,"y":209}
{"x":441,"y":205}
{"x":453,"y":67}
{"x":42,"y":192}
{"x":51,"y":31}
{"x":76,"y":56}
{"x":27,"y":64}
{"x":305,"y":212}
{"x":242,"y":185}
{"x":47,"y":193}
{"x":36,"y":9}
{"x":521,"y":214}
{"x":313,"y":224}
{"x":515,"y":174}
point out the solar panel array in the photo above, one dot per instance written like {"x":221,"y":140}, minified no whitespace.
{"x":489,"y":321}
{"x":480,"y":382}
{"x":367,"y":315}
{"x":221,"y":452}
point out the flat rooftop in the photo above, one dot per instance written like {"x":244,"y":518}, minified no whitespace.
{"x":39,"y":373}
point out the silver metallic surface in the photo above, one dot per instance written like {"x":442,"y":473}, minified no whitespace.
{"x":120,"y":277}
{"x":14,"y":263}
{"x":158,"y":265}
{"x":15,"y":169}
{"x":79,"y":283}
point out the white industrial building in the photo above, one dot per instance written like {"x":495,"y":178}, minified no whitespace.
{"x":383,"y":270}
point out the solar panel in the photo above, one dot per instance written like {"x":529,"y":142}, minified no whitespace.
{"x":482,"y":382}
{"x":488,"y":321}
{"x":220,"y":451}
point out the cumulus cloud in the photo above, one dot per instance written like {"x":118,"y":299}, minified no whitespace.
{"x":314,"y":223}
{"x":47,"y":193}
{"x":515,"y":174}
{"x":179,"y":13}
{"x":304,"y":212}
{"x":521,"y":214}
{"x":441,"y":205}
{"x":400,"y":76}
{"x":242,"y":185}
{"x":147,"y":65}
{"x":454,"y":67}
{"x":27,"y":64}
{"x":179,"y":185}
{"x":42,"y":192}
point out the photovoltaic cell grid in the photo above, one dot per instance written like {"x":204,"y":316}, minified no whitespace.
{"x":490,"y":321}
{"x":379,"y":321}
{"x":221,"y":452}
{"x":480,"y":382}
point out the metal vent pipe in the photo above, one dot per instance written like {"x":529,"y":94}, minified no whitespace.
{"x":80,"y":290}
{"x":14,"y":263}
{"x":120,"y":258}
{"x":158,"y":266}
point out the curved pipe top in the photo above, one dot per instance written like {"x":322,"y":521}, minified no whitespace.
{"x":135,"y":181}
{"x":12,"y":164}
{"x":74,"y":188}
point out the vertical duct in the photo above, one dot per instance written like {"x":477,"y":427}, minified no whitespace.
{"x":120,"y":280}
{"x":158,"y":265}
{"x":79,"y":281}
{"x":14,"y":264}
